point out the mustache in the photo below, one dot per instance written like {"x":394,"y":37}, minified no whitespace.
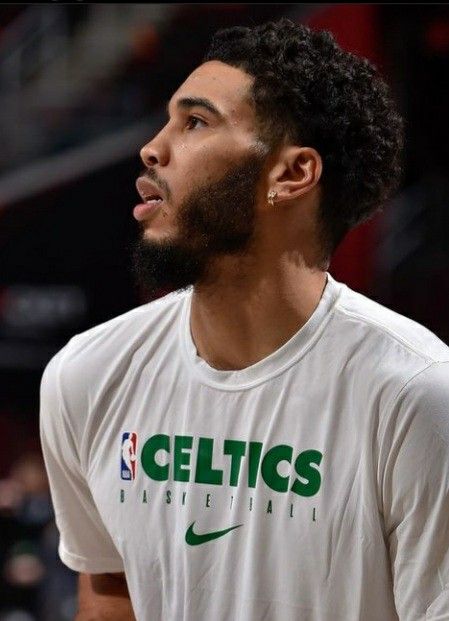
{"x":151,"y":174}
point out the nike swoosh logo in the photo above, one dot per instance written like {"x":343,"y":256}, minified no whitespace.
{"x":194,"y":540}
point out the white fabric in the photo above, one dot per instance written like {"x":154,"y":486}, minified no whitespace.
{"x":367,"y":536}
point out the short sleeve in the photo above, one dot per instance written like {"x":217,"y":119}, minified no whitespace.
{"x":85,"y":545}
{"x":415,"y":491}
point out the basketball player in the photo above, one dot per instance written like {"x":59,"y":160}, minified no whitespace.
{"x":286,"y":438}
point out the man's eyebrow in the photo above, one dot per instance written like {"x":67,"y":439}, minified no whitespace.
{"x":191,"y":102}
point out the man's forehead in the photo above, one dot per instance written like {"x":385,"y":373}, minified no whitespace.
{"x":225,"y":86}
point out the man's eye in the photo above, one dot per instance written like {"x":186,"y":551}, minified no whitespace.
{"x":192,"y":122}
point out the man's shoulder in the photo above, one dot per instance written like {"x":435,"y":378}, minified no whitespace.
{"x":131,"y":326}
{"x":386,"y":331}
{"x":91,"y":357}
{"x":382,"y":353}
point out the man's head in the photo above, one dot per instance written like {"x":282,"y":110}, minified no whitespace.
{"x":207,"y":163}
{"x":276,"y":108}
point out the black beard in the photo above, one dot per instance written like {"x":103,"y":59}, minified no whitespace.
{"x":215,"y":220}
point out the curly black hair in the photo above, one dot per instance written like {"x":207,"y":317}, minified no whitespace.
{"x":309,"y":91}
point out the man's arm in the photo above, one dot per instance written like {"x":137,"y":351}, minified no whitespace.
{"x":415,"y":491}
{"x":103,"y":597}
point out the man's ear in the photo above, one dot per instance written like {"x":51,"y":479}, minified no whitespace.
{"x":296,"y":172}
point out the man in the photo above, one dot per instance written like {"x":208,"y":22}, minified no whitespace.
{"x":285,"y":437}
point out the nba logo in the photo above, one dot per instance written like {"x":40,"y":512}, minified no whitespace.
{"x":129,"y":456}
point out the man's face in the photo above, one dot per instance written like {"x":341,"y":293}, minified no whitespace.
{"x":206,"y":164}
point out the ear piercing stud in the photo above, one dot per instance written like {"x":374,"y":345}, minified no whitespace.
{"x":271,"y":196}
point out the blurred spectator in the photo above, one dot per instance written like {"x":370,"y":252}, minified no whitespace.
{"x":33,"y":583}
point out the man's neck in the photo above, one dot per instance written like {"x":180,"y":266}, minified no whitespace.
{"x":247,"y":314}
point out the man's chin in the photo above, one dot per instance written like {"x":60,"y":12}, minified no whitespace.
{"x":165,"y":265}
{"x":156,"y":234}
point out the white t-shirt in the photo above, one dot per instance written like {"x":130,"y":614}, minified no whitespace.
{"x":311,"y":486}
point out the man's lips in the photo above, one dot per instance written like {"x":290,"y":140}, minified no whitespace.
{"x":144,"y":210}
{"x":147,"y":190}
{"x":152,"y":197}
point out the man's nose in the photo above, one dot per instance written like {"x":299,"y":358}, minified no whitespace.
{"x":154,"y":152}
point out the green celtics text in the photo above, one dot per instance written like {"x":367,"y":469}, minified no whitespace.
{"x":181,"y":463}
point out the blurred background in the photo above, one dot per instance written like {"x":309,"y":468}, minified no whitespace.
{"x":82,"y":88}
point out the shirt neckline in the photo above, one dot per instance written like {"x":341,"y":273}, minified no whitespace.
{"x":267,"y":368}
